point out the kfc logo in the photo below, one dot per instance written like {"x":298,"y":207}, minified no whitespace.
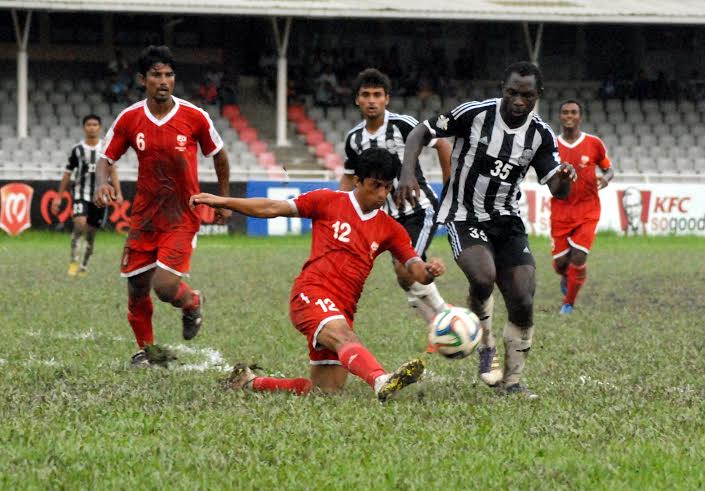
{"x":633,"y":210}
{"x":15,"y":207}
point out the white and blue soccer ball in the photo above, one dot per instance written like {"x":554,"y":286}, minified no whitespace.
{"x":455,"y":332}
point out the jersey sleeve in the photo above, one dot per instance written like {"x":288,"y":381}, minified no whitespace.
{"x":117,"y":140}
{"x":456,"y":122}
{"x":350,"y":156}
{"x":406,"y":123}
{"x":399,"y":244}
{"x":309,"y":205}
{"x":546,"y":160}
{"x":603,"y":161}
{"x":208,"y":138}
{"x":73,"y":160}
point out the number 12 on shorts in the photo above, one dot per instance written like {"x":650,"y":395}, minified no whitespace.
{"x":326,"y":304}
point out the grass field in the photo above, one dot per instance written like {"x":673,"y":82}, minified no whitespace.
{"x":622,"y":381}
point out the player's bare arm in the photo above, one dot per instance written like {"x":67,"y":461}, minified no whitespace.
{"x":347,"y":183}
{"x":605,"y":178}
{"x":115,"y":181}
{"x":408,"y":188}
{"x":559,"y":184}
{"x":222,"y":170}
{"x":425,"y":272}
{"x":56,"y":202}
{"x":104,"y":192}
{"x":252,"y":207}
{"x":444,"y":150}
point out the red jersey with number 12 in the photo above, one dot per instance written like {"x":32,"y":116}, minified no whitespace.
{"x":168,"y":163}
{"x":585,"y":154}
{"x":345,"y":243}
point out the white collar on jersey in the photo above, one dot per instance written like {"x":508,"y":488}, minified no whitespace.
{"x":96,"y":147}
{"x":575,"y":143}
{"x":165,"y":119}
{"x":504,"y":125}
{"x":356,"y":205}
{"x":381,"y":129}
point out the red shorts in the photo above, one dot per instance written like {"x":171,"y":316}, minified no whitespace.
{"x":167,"y":250}
{"x":565,"y":235}
{"x":310,"y":310}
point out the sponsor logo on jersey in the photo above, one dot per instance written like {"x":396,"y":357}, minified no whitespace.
{"x":15,"y":207}
{"x":525,"y":157}
{"x":181,"y":140}
{"x":442,"y":123}
{"x":374,"y":247}
{"x":584,"y":161}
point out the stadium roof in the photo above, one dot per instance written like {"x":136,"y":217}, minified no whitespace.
{"x":574,"y":11}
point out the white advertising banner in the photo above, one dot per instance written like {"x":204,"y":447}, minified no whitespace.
{"x":650,"y":209}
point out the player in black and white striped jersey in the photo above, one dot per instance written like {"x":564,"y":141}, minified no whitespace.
{"x":496,"y":141}
{"x":87,"y":217}
{"x":383,"y":129}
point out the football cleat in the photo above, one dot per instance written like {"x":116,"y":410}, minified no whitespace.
{"x":241,"y":376}
{"x":140,"y":360}
{"x":490,"y":370}
{"x":566,"y":308}
{"x":159,"y":355}
{"x":564,"y":285}
{"x":73,"y":269}
{"x":192,"y":319}
{"x":82,"y":271}
{"x":405,"y":375}
{"x":521,"y":390}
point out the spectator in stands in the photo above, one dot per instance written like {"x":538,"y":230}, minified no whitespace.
{"x":267,"y":75}
{"x":640,"y":89}
{"x":608,"y":89}
{"x":230,"y":89}
{"x":327,"y":89}
{"x":208,"y":91}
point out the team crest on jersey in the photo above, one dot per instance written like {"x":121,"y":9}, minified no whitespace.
{"x":584,"y":161}
{"x":374,"y":247}
{"x":391,"y":145}
{"x":181,"y":140}
{"x":442,"y":123}
{"x":525,"y":157}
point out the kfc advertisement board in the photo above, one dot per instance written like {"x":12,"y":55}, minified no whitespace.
{"x":631,"y":209}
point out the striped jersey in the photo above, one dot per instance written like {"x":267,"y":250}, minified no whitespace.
{"x":82,"y":161}
{"x":392,"y":136}
{"x":490,"y":160}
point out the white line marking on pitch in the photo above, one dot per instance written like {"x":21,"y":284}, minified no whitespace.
{"x":213,"y":359}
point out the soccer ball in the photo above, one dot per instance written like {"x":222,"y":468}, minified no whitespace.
{"x":455,"y":332}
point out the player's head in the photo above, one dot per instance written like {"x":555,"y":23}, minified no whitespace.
{"x":375,"y":173}
{"x":522,"y":84}
{"x":570,"y":114}
{"x":372,"y":92}
{"x":156,"y":68}
{"x":91,"y":125}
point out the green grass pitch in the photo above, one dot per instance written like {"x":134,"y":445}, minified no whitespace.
{"x":622,"y":380}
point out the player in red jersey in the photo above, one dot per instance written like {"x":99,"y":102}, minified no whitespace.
{"x":574,"y":220}
{"x":349,"y":232}
{"x":165,"y":132}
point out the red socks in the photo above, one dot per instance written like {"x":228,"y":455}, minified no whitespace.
{"x":577,"y":275}
{"x":139,"y":315}
{"x":184,"y":298}
{"x":357,"y":360}
{"x":298,"y":386}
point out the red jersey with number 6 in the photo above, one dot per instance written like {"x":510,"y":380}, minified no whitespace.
{"x":585,"y":154}
{"x":345,"y":243}
{"x":168,"y":163}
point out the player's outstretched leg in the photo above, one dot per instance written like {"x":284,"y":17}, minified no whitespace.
{"x":75,"y":249}
{"x":190,"y":302}
{"x":561,"y":270}
{"x":243,"y":377}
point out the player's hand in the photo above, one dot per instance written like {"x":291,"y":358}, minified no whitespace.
{"x":222,"y":215}
{"x":104,"y":195}
{"x":567,"y":171}
{"x":435,"y":267}
{"x":602,"y":182}
{"x":407,"y":190}
{"x":204,"y":199}
{"x":119,"y":199}
{"x":55,"y":204}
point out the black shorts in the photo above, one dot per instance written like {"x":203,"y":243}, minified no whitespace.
{"x":421,"y":227}
{"x":505,"y":237}
{"x":94,"y":215}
